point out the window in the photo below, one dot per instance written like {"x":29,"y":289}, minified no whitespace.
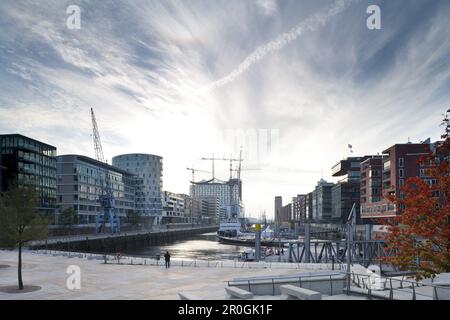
{"x":355,"y":164}
{"x":401,"y":162}
{"x":401,"y":182}
{"x":422,"y":173}
{"x":401,"y":173}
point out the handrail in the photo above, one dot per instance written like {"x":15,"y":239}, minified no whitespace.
{"x":297,"y":278}
{"x":364,"y":278}
{"x":398,"y":280}
{"x":186,"y":262}
{"x":411,"y":284}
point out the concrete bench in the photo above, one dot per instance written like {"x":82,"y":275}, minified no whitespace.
{"x":290,"y":292}
{"x":237,"y":293}
{"x":188,"y":296}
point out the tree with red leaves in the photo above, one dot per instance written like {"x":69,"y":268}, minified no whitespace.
{"x":420,"y":235}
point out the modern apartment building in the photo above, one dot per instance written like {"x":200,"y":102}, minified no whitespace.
{"x":371,"y":182}
{"x":284,"y":214}
{"x":30,"y":163}
{"x":79,"y":180}
{"x":210,"y":209}
{"x":192,"y":209}
{"x":346,"y":191}
{"x":321,"y":202}
{"x":278,"y":204}
{"x":228,"y":192}
{"x":309,"y":206}
{"x":400,"y":163}
{"x":149,"y":169}
{"x":173,"y":206}
{"x":299,"y":208}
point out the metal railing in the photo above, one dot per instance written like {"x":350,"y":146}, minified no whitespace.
{"x":152,"y":261}
{"x":376,"y":286}
{"x":300,"y":279}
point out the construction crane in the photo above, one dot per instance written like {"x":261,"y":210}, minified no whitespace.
{"x":195,"y":170}
{"x":231,"y":159}
{"x":106,"y":197}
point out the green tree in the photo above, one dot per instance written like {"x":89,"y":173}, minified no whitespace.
{"x":20,"y":221}
{"x":68,"y":218}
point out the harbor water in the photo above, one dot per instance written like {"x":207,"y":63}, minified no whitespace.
{"x":202,"y":247}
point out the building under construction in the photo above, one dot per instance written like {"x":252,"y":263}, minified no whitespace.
{"x":229,"y":194}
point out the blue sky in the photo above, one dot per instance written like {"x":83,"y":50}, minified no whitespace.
{"x":174,"y":78}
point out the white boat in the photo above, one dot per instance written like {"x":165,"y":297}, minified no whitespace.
{"x":231,"y":230}
{"x":248,"y":255}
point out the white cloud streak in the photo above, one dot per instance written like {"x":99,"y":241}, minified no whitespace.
{"x":312,"y":23}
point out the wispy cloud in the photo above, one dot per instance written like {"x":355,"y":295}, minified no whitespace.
{"x":268,"y":7}
{"x":311,"y":24}
{"x":324,"y":81}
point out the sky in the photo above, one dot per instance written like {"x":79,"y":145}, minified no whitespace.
{"x":293,"y":82}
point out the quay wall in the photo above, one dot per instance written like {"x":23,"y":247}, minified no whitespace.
{"x":121,"y":242}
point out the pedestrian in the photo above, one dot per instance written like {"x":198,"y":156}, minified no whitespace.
{"x":282,"y":251}
{"x":167,"y":258}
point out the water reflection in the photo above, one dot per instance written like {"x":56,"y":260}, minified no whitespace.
{"x":204,"y":247}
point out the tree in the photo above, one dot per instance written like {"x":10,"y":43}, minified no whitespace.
{"x":68,"y":218}
{"x":420,"y":235}
{"x":134,"y":218}
{"x":20,"y":221}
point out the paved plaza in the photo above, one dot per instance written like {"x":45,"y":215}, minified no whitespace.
{"x":112,"y":281}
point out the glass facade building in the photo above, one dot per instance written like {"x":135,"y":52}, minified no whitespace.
{"x":80,"y":185}
{"x":321,"y":202}
{"x":30,"y":163}
{"x":148,"y":169}
{"x":228,"y":192}
{"x":347,"y":191}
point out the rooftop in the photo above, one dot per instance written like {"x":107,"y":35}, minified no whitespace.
{"x":27,"y":138}
{"x":97,"y":163}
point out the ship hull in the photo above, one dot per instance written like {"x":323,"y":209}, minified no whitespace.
{"x":248,"y":242}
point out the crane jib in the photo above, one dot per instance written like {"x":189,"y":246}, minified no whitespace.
{"x":106,"y":198}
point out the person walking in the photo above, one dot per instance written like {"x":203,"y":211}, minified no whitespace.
{"x":167,"y":258}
